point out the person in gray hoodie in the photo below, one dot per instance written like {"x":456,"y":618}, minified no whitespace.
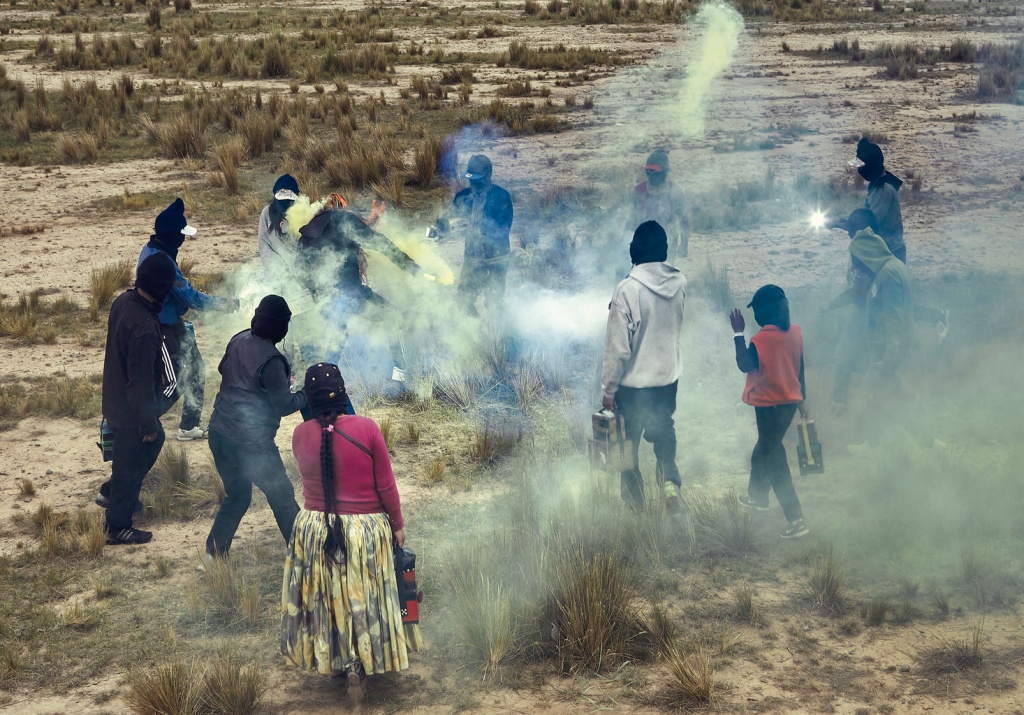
{"x":643,"y":359}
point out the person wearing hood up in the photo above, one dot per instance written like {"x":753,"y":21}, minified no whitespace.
{"x":254,"y":395}
{"x":889,"y":295}
{"x":485,"y":211}
{"x":643,"y":359}
{"x":139,"y":385}
{"x":169,"y":232}
{"x":774,"y":366}
{"x":661,"y":199}
{"x":277,"y":251}
{"x":883,"y":199}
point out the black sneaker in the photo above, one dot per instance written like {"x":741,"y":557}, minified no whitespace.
{"x":749,"y":503}
{"x":128,"y":536}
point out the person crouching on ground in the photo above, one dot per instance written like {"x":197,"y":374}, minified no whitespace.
{"x":774,"y":365}
{"x":340,"y":609}
{"x":254,"y":396}
{"x":138,"y":387}
{"x":643,"y":359}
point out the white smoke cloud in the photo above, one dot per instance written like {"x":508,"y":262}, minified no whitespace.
{"x":719,"y":27}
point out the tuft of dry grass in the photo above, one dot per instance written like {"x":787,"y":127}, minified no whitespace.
{"x":412,"y":432}
{"x":720,"y":527}
{"x":827,"y":588}
{"x":103,"y":586}
{"x":26,"y":487}
{"x":692,"y":676}
{"x":79,"y":618}
{"x":744,"y":608}
{"x":941,"y":602}
{"x":662,"y":630}
{"x":182,"y":136}
{"x":176,"y":687}
{"x":874,"y":612}
{"x":249,"y":602}
{"x":436,"y":471}
{"x":387,"y":430}
{"x":105,"y":282}
{"x":956,"y":655}
{"x":233,"y":689}
{"x":229,"y":157}
{"x":494,"y":442}
{"x":93,"y":538}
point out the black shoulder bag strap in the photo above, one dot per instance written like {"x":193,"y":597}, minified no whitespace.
{"x":356,"y":442}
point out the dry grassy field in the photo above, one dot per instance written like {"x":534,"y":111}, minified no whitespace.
{"x":543,"y":595}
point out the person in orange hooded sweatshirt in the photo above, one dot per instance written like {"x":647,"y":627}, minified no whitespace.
{"x":774,"y":366}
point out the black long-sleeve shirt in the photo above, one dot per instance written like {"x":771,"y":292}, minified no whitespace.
{"x":138,"y":378}
{"x":746,"y":361}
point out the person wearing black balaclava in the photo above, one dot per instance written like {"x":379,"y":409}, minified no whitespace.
{"x":169,"y":232}
{"x":774,"y":366}
{"x":277,"y":252}
{"x":254,"y":395}
{"x":485,"y":212}
{"x":883,"y":197}
{"x":138,"y":387}
{"x":660,"y":199}
{"x":643,"y":360}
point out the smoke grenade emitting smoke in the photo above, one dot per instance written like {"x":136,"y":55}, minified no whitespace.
{"x":719,"y":26}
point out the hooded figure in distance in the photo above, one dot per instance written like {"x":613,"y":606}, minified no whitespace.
{"x":643,"y":359}
{"x":277,"y":251}
{"x":661,"y":199}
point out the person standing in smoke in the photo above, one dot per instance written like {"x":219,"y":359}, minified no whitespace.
{"x":883,"y":199}
{"x":277,"y":251}
{"x":169,"y":232}
{"x":774,"y":366}
{"x":643,"y":359}
{"x":138,"y":387}
{"x":661,"y":199}
{"x":254,"y":395}
{"x":340,"y":601}
{"x":888,"y":297}
{"x":485,"y":210}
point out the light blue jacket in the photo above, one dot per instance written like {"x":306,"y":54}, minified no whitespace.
{"x":182,"y":296}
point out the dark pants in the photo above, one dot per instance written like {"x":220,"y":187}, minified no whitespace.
{"x":483,"y":277}
{"x":190,"y":369}
{"x":132,"y":461}
{"x":648,"y":412}
{"x":769,"y":468}
{"x":240,"y":466}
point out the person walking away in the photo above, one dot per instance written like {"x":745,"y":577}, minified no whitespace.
{"x":254,"y":395}
{"x":339,"y":598}
{"x":169,"y":232}
{"x":660,"y":199}
{"x":774,"y":366}
{"x":484,"y":211}
{"x":278,"y":253}
{"x":138,"y":387}
{"x":643,"y":359}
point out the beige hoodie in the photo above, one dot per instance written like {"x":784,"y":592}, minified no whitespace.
{"x":645,"y":320}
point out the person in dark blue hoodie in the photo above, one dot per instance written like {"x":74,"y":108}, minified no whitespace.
{"x":169,"y":232}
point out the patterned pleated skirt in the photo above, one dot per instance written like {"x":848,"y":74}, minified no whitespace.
{"x":342,"y":609}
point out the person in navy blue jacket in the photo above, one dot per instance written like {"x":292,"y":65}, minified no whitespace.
{"x":169,"y":232}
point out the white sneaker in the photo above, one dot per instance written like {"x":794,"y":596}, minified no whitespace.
{"x":187,"y":435}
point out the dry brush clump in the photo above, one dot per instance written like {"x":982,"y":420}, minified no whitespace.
{"x":692,"y":677}
{"x":175,"y":489}
{"x":826,"y":584}
{"x":105,"y":282}
{"x":720,"y":527}
{"x":192,"y":688}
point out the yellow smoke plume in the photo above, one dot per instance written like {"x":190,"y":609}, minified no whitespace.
{"x":300,"y":213}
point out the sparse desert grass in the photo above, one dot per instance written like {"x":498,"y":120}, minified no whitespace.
{"x":941,"y":603}
{"x":176,"y":687}
{"x":176,"y":489}
{"x":662,"y":629}
{"x":494,"y":442}
{"x":387,"y":430}
{"x":229,"y":157}
{"x":744,"y":608}
{"x":712,"y":281}
{"x":26,"y":487}
{"x":49,"y":397}
{"x":957,"y":655}
{"x":720,"y":527}
{"x":234,"y":689}
{"x":105,"y":282}
{"x":490,"y":630}
{"x":436,"y":470}
{"x":692,"y":676}
{"x":412,"y":432}
{"x":875,"y":612}
{"x":827,"y":587}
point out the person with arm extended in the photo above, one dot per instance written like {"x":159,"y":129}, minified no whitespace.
{"x":340,"y":601}
{"x":169,"y":232}
{"x":254,"y":395}
{"x":775,"y":388}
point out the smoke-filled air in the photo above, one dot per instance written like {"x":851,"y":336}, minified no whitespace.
{"x":543,"y":356}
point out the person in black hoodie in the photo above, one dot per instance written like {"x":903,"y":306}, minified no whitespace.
{"x":883,"y":199}
{"x":138,"y":387}
{"x":486,"y":212}
{"x":254,"y":396}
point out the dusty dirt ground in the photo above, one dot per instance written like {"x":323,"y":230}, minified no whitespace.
{"x":967,"y":218}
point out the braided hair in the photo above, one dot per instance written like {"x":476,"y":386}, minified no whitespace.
{"x":335,"y":544}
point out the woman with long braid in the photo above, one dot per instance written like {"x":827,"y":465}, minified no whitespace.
{"x":340,"y":609}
